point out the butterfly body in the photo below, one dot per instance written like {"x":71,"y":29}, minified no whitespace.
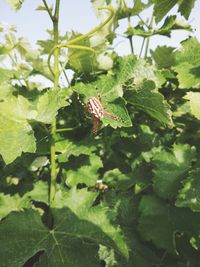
{"x":95,"y":109}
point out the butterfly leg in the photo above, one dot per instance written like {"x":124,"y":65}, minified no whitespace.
{"x":95,"y":125}
{"x":111,"y":116}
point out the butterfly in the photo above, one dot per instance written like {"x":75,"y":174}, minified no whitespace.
{"x":97,"y":112}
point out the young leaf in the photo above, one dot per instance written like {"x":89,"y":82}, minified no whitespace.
{"x":163,"y":56}
{"x":15,"y":4}
{"x":187,"y":64}
{"x":194,"y":102}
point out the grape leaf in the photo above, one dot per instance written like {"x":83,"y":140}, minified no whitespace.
{"x":118,"y":180}
{"x":10,"y":203}
{"x":185,"y":7}
{"x":49,"y":103}
{"x":16,"y":202}
{"x":68,"y":148}
{"x":163,"y":56}
{"x":187,"y":64}
{"x":86,"y":174}
{"x":15,"y":4}
{"x":170,"y":169}
{"x":194,"y":102}
{"x":83,"y":229}
{"x":189,"y":52}
{"x":189,"y":195}
{"x":137,"y":70}
{"x":170,"y":23}
{"x":162,"y":7}
{"x":16,"y":135}
{"x":159,"y":223}
{"x":188,"y":75}
{"x":145,"y":98}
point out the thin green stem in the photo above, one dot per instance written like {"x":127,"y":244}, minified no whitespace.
{"x":131,"y":44}
{"x":53,"y":127}
{"x":143,"y":21}
{"x":142,"y":47}
{"x":71,"y":43}
{"x":66,"y":129}
{"x":148,"y":39}
{"x":48,"y":9}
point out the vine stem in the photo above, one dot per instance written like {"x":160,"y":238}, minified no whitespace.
{"x":148,"y":39}
{"x":53,"y":125}
{"x":48,"y":9}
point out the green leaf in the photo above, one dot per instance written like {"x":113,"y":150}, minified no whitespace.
{"x":120,"y":181}
{"x":68,"y":148}
{"x":170,"y":23}
{"x":187,"y":64}
{"x":188,"y":76}
{"x":170,"y":169}
{"x":6,"y":75}
{"x":189,"y":52}
{"x":16,"y":202}
{"x":15,"y":4}
{"x":194,"y":102}
{"x":16,"y":135}
{"x":10,"y":203}
{"x":162,"y":7}
{"x":81,"y":202}
{"x":185,"y":7}
{"x":86,"y":174}
{"x":49,"y":104}
{"x":38,"y":193}
{"x":159,"y":222}
{"x":163,"y":56}
{"x":137,"y":70}
{"x":108,"y":256}
{"x":189,"y":195}
{"x":84,"y":229}
{"x":145,"y":98}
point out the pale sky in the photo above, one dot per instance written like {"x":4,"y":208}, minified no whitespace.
{"x":79,"y":16}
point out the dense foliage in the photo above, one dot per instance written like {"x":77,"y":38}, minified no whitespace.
{"x":127,"y":196}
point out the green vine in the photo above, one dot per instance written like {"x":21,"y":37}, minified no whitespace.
{"x":56,"y":74}
{"x":72,"y":43}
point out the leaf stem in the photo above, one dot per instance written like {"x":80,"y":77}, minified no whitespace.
{"x":148,"y":38}
{"x":72,"y":43}
{"x":53,"y":127}
{"x":131,"y":44}
{"x":48,"y":9}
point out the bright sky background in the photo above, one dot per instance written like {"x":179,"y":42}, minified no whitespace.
{"x":79,"y":16}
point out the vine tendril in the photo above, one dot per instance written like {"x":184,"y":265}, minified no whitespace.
{"x":72,"y":43}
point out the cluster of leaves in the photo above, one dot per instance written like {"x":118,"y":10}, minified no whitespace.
{"x":145,"y":212}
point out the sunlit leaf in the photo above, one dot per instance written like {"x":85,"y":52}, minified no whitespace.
{"x":189,"y":195}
